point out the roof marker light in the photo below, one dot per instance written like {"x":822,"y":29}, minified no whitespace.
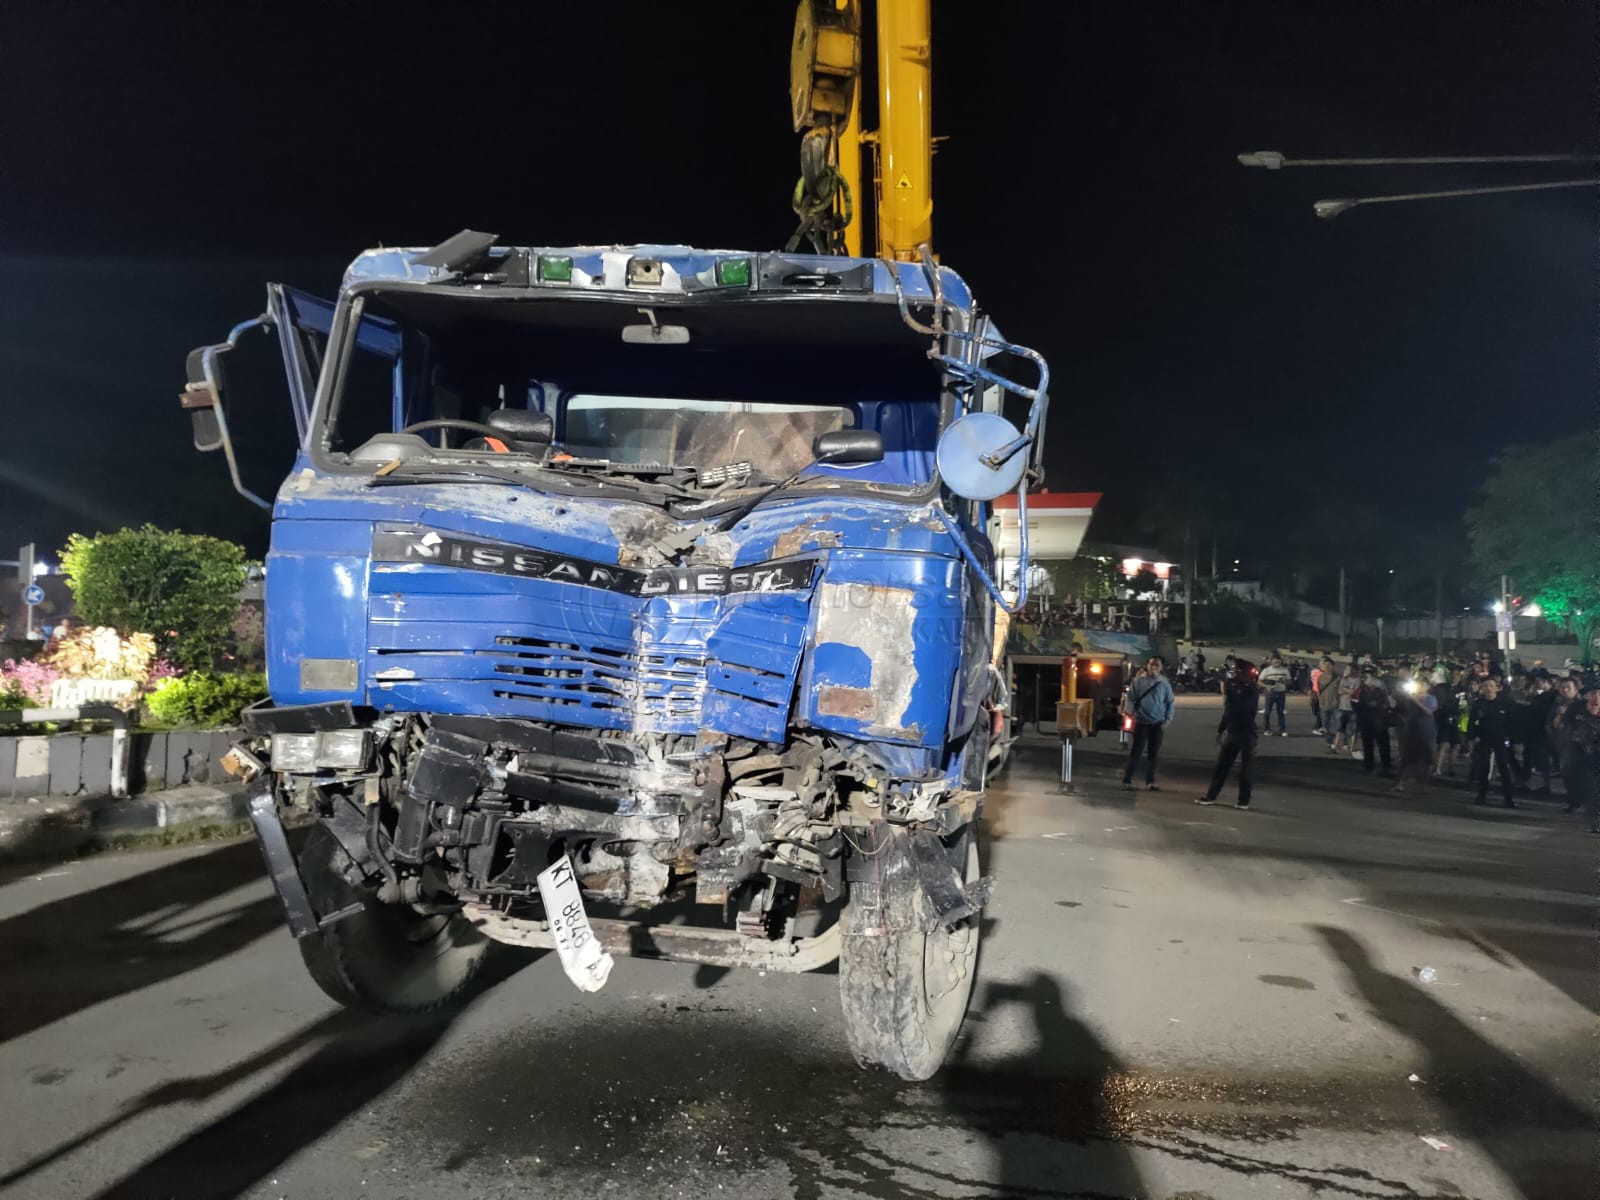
{"x":733,"y":272}
{"x":555,"y":268}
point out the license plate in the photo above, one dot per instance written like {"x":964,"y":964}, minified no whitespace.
{"x":582,"y":958}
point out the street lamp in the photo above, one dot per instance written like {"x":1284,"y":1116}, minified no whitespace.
{"x":1274,"y":160}
{"x":1327,"y":210}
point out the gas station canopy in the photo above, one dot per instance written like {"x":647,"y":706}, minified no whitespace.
{"x":1057,"y":522}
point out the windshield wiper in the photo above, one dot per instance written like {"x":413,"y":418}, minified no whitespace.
{"x":396,"y":479}
{"x":840,"y":446}
{"x":529,"y":475}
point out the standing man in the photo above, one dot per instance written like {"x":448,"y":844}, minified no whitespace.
{"x":1150,"y":704}
{"x":1489,"y":727}
{"x":1349,"y":685}
{"x":1373,"y":707}
{"x":1275,"y":682}
{"x":1236,"y":733}
{"x":1316,"y":698}
{"x":1537,"y":749}
{"x":1328,"y":699}
{"x":1559,"y":735}
{"x":1582,"y":724}
{"x":1419,"y":734}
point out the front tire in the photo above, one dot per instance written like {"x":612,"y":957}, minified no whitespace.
{"x":387,"y":958}
{"x":905,"y":990}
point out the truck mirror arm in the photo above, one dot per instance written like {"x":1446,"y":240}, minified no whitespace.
{"x":206,"y":393}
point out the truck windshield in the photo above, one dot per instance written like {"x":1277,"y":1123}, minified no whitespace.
{"x":743,"y":399}
{"x":773,"y":440}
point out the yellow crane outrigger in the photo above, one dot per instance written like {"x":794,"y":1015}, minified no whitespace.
{"x":825,"y":88}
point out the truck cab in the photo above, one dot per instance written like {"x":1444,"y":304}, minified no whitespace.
{"x":609,"y":579}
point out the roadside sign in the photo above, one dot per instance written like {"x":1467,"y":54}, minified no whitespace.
{"x":33,"y":594}
{"x":1502,"y":622}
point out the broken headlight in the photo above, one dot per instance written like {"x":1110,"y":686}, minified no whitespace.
{"x":334,"y":749}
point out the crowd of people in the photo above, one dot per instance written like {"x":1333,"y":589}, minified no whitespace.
{"x":1412,"y":721}
{"x":1421,"y":720}
{"x":1074,"y":612}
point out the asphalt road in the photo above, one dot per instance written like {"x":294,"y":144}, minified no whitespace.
{"x":1174,"y":1002}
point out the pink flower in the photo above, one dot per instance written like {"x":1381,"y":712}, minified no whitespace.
{"x":31,"y":679}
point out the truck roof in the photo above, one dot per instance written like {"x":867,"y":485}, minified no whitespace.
{"x":650,"y":270}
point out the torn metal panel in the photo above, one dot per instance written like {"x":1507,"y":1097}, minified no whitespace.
{"x":806,"y":537}
{"x":952,"y":899}
{"x":876,"y":623}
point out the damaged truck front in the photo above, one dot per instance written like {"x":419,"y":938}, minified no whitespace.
{"x":609,"y":579}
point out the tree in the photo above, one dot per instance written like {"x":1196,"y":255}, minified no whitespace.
{"x":182,"y":588}
{"x":1539,"y":524}
{"x":1572,"y":599}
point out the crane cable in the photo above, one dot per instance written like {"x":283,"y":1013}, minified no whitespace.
{"x":821,"y":198}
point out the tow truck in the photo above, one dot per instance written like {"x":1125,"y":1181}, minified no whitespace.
{"x":609,"y":579}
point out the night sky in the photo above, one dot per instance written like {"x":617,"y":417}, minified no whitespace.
{"x":1208,"y":336}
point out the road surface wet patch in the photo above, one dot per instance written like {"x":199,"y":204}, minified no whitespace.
{"x":702,"y":1101}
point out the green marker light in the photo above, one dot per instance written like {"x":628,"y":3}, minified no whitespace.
{"x":733,"y":272}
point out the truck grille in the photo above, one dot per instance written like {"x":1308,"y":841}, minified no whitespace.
{"x":668,"y":666}
{"x":666,"y":684}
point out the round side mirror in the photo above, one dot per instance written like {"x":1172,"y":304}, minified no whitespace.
{"x":967,"y":456}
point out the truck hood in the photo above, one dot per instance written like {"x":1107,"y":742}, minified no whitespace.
{"x":502,"y":601}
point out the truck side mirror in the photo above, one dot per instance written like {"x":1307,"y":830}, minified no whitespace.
{"x":848,"y":446}
{"x":202,"y":400}
{"x":980,"y":456}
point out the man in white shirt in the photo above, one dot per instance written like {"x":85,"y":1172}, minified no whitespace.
{"x":1275,"y":683}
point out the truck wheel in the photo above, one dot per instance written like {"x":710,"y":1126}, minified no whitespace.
{"x":387,"y":958}
{"x":904,"y":992}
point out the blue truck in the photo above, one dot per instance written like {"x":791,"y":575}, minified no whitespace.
{"x":635,"y":600}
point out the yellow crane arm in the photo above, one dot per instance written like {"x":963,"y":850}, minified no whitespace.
{"x":824,"y":87}
{"x":905,"y":129}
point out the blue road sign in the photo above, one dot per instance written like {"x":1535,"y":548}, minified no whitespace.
{"x":33,"y":594}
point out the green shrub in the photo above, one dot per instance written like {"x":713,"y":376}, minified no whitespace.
{"x":205,"y":700}
{"x":181,"y":587}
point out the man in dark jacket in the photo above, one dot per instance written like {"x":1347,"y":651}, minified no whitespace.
{"x":1538,"y":757}
{"x":1582,"y":730}
{"x":1489,"y":728}
{"x":1374,"y":706}
{"x":1558,"y":733}
{"x":1236,"y":733}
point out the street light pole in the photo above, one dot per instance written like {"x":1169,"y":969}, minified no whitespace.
{"x":1438,"y":612}
{"x":1343,"y":623}
{"x":1327,"y":210}
{"x":1507,"y":637}
{"x":24,"y":579}
{"x":1273,"y":160}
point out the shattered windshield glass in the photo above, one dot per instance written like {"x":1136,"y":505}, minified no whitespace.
{"x":766,"y":440}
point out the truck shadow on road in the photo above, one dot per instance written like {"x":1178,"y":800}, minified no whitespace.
{"x":354,"y":1059}
{"x":92,"y":946}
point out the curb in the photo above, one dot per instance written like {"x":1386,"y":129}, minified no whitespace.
{"x":52,"y":828}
